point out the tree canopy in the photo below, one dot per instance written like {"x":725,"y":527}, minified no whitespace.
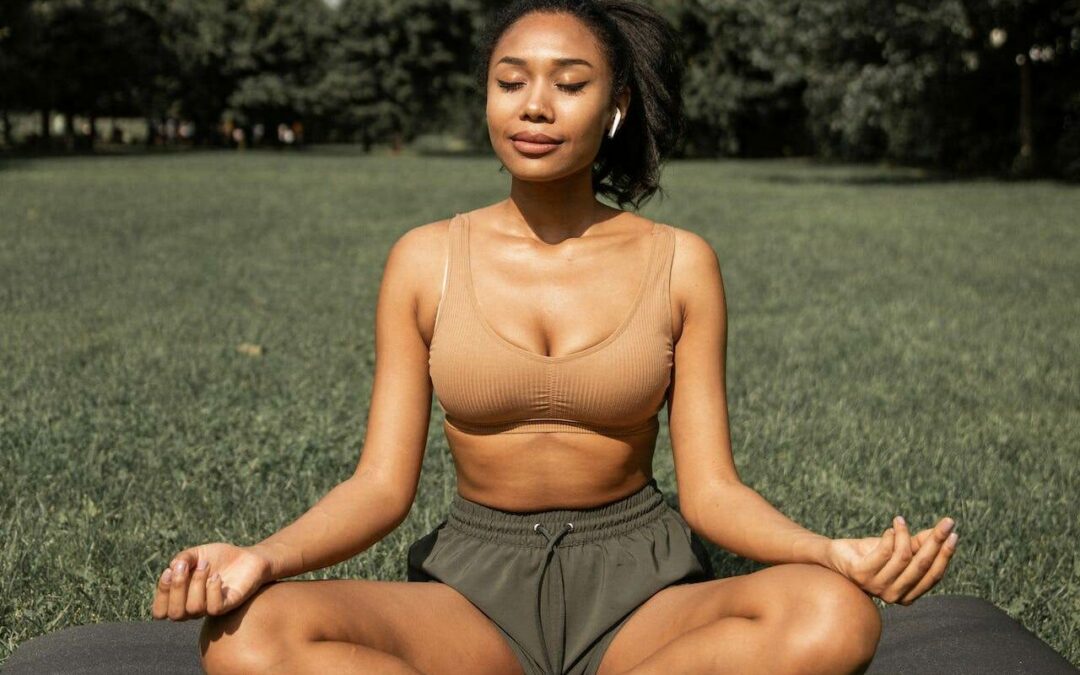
{"x":955,"y":84}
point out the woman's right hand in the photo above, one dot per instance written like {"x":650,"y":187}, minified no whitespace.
{"x":209,"y":579}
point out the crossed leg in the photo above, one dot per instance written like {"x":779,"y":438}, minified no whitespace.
{"x":355,"y":626}
{"x":792,"y":618}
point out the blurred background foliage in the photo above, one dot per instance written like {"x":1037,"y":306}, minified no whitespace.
{"x":959,"y":85}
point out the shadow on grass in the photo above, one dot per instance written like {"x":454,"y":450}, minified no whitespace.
{"x":826,"y":172}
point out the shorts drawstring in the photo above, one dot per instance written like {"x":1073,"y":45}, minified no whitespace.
{"x":548,"y":553}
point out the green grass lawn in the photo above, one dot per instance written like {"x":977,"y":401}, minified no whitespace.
{"x":897,"y":345}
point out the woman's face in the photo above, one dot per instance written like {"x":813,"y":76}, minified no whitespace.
{"x":548,"y":76}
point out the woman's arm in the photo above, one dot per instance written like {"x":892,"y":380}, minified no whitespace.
{"x":363,"y":509}
{"x":738,"y":519}
{"x":712,"y":498}
{"x":349,"y":519}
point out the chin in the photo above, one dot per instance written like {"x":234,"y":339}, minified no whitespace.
{"x":538,"y":174}
{"x":541,"y":166}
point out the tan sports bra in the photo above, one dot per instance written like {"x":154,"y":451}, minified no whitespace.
{"x":488,"y":385}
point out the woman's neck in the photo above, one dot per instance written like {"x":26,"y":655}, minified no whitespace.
{"x":552,"y":210}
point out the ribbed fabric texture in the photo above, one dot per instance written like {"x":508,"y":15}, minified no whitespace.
{"x":488,"y":385}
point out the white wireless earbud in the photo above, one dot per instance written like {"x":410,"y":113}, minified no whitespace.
{"x":615,"y":124}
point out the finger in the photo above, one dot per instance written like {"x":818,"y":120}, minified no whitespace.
{"x":190,"y":556}
{"x":901,"y":554}
{"x":882,"y":551}
{"x":936,"y":571}
{"x":214,"y":603}
{"x":903,"y":537}
{"x":178,"y":592}
{"x":865,"y":569}
{"x":873,"y":562}
{"x":160,"y":609}
{"x":921,"y":562}
{"x":919,"y":539}
{"x":177,"y":597}
{"x":196,"y":599}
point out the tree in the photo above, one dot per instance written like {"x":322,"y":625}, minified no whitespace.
{"x":277,"y":59}
{"x":15,"y":34}
{"x":742,"y":90}
{"x":395,"y":65}
{"x":1032,"y":35}
{"x":199,"y":36}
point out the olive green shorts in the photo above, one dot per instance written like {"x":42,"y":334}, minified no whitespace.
{"x":560,"y":584}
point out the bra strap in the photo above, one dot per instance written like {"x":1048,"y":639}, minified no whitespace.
{"x":449,"y":283}
{"x":667,"y":258}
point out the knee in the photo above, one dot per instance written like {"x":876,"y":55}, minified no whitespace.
{"x":249,"y":639}
{"x":836,"y":626}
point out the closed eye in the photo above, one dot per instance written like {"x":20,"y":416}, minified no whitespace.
{"x":569,"y":88}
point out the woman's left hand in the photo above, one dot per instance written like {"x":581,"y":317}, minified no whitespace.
{"x":896,"y":566}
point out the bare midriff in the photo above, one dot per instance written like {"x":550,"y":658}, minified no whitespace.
{"x":554,"y":470}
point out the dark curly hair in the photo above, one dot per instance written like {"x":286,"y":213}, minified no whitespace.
{"x":643,"y":51}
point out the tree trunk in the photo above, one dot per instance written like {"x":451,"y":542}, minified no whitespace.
{"x":46,"y":130}
{"x":69,"y":130}
{"x":8,"y":140}
{"x":1024,"y":163}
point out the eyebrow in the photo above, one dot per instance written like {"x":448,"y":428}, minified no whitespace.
{"x":513,"y":60}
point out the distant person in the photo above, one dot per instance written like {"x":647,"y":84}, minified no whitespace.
{"x":285,"y":134}
{"x":553,"y":329}
{"x":226,"y":130}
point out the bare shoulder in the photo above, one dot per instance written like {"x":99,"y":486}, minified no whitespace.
{"x":695,"y":275}
{"x":416,"y":254}
{"x":695,"y":262}
{"x":422,"y":245}
{"x":414,"y":266}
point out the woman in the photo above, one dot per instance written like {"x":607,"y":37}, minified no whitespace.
{"x":552,"y":337}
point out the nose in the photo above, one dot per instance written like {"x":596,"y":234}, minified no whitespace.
{"x":536,"y":106}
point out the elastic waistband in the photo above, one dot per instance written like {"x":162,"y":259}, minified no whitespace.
{"x":598,"y":522}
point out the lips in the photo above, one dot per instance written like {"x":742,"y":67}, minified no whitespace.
{"x":534,"y":144}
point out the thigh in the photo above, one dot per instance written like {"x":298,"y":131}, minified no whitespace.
{"x":430,"y":625}
{"x":784,"y":591}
